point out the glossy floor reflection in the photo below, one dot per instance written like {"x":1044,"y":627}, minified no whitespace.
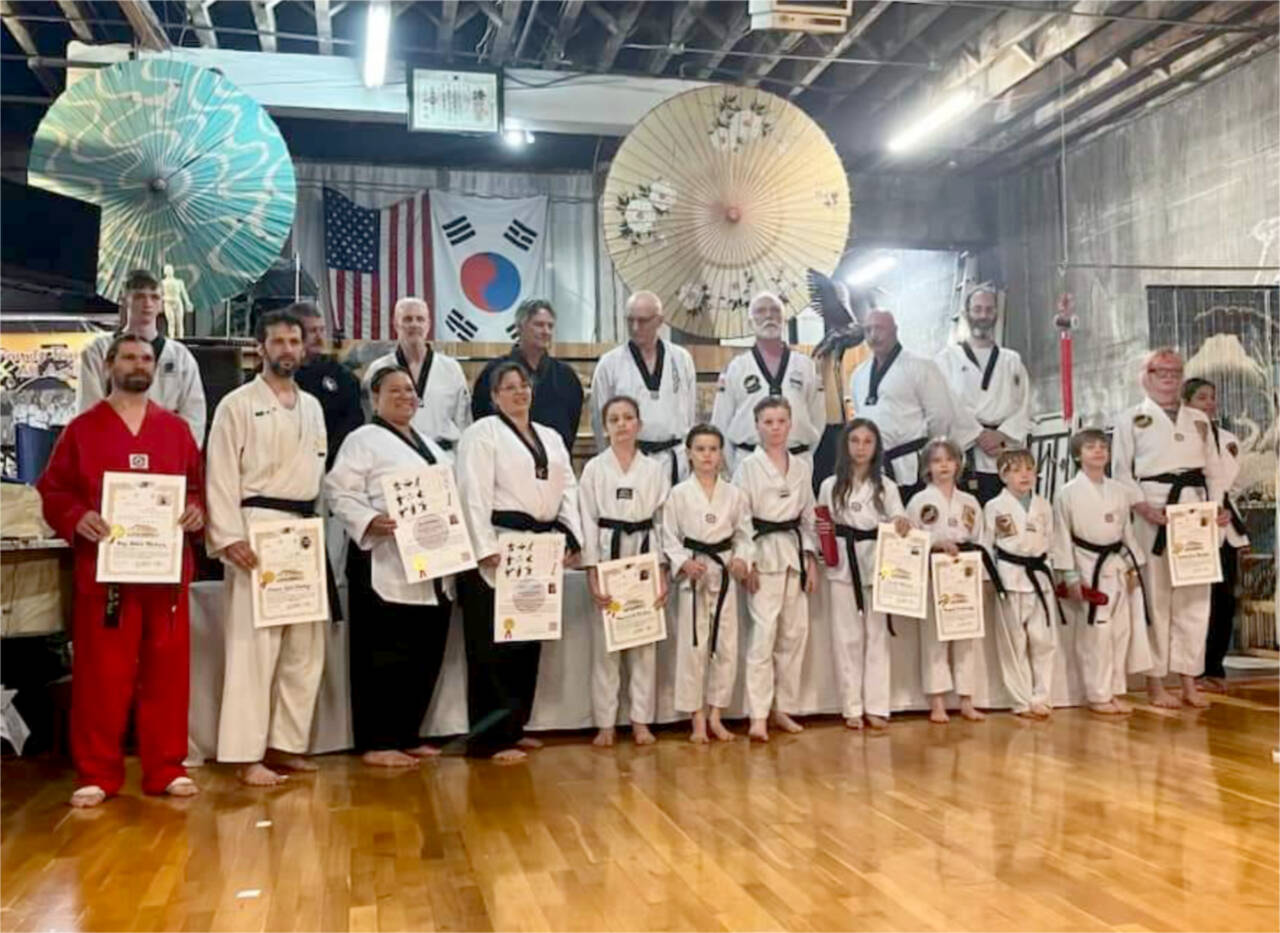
{"x":1167,"y":821}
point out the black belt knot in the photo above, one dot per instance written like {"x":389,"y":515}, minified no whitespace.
{"x":523,"y":521}
{"x":620,"y":528}
{"x":1102,"y":553}
{"x":894,"y":453}
{"x":1035,"y":565}
{"x":765,"y":527}
{"x":1185,"y":479}
{"x":713,"y":550}
{"x":851,"y":536}
{"x":657,"y":447}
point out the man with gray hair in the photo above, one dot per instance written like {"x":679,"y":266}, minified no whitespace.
{"x":557,"y":390}
{"x":991,"y":382}
{"x":768,"y":369}
{"x":657,"y":374}
{"x":444,"y":402}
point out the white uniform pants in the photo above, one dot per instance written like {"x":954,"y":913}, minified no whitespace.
{"x":861,"y":644}
{"x":1104,"y":648}
{"x":1025,"y":641}
{"x":271,"y":679}
{"x":703,"y":678}
{"x":946,"y":666}
{"x":606,"y":678}
{"x":775,"y":650}
{"x":1179,"y":621}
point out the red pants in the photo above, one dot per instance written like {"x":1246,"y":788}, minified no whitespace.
{"x":145,"y":658}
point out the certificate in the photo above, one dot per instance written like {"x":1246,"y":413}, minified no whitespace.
{"x":901,"y":584}
{"x":289,"y":582}
{"x":145,"y":545}
{"x":430,"y":534}
{"x":634,"y":616}
{"x":1193,"y":543}
{"x":957,"y":595}
{"x":528,"y":587}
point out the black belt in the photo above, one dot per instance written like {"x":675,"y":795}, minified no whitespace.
{"x":986,"y":562}
{"x":971,"y":456}
{"x":1187,"y":479}
{"x":1236,"y":521}
{"x":851,"y":536}
{"x":1034,"y":565}
{"x":303,"y":508}
{"x":620,"y":528}
{"x":764,"y":527}
{"x":523,"y":521}
{"x":657,"y":447}
{"x":712,"y":550}
{"x":1103,"y":551}
{"x":793,"y":449}
{"x":893,"y":453}
{"x":444,"y":444}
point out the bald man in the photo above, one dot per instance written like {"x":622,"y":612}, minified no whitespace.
{"x":657,"y":374}
{"x":908,"y":399}
{"x":444,"y":401}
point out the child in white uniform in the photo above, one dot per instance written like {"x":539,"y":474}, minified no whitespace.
{"x":706,"y":535}
{"x":1020,"y":525}
{"x":620,"y":495}
{"x":859,"y":498}
{"x":953,"y":519}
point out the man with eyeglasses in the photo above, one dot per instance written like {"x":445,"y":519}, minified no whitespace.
{"x":657,"y":374}
{"x":1165,"y":453}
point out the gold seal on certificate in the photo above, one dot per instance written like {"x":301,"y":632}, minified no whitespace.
{"x":289,"y":581}
{"x":145,"y":545}
{"x":957,"y":595}
{"x":1192,"y":547}
{"x":528,"y":587}
{"x":634,"y":616}
{"x":430,"y":534}
{"x":901,"y":584}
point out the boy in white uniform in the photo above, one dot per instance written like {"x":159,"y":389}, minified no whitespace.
{"x":1019,"y":523}
{"x":779,"y":487}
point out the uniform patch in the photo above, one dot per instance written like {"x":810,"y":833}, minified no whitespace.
{"x":624,"y":493}
{"x":1233,"y":448}
{"x":711,"y":519}
{"x":857,"y":506}
{"x":929,"y":514}
{"x":1142,"y":421}
{"x":970,"y":516}
{"x":330,"y":384}
{"x":1109,"y":517}
{"x":1005,"y":527}
{"x":953,"y":522}
{"x":1177,"y":436}
{"x":1017,"y":379}
{"x":675,"y":381}
{"x":797,"y":381}
{"x":751,"y":383}
{"x":139,"y":462}
{"x":168,"y":367}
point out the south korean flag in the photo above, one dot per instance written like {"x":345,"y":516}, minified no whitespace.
{"x":489,"y":256}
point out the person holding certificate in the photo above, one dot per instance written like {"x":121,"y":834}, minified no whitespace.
{"x":398,"y":635}
{"x":267,"y":452}
{"x":513,"y":475}
{"x":1164,"y":451}
{"x":620,"y":494}
{"x":953,"y":519}
{"x":131,"y":639}
{"x":859,"y":498}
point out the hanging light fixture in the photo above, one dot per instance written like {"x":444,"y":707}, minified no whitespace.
{"x":377,"y":41}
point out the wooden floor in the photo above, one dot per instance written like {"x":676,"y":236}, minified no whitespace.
{"x":1167,"y":821}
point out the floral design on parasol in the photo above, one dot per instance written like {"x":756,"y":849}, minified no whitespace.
{"x":720,"y":193}
{"x":188,"y":170}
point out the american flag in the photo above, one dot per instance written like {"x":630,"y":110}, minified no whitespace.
{"x":375,"y":257}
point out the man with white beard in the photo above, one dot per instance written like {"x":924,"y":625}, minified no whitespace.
{"x":770,"y":368}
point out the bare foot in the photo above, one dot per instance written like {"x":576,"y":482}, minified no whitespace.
{"x":877,"y":723}
{"x":509,"y":756}
{"x":1123,"y":705}
{"x":718,"y":728}
{"x":423,"y":751}
{"x":1108,"y":708}
{"x":641,"y":735}
{"x":1214,"y":684}
{"x":290,"y":761}
{"x":259,"y":775}
{"x":529,"y":742}
{"x":698,"y":735}
{"x":759,"y":731}
{"x":1194,"y":698}
{"x":88,"y":796}
{"x":1024,"y":713}
{"x":938,"y":711}
{"x":389,"y":758}
{"x":182,"y":787}
{"x":1157,"y":695}
{"x":786,"y":723}
{"x":969,"y":713}
{"x":853,"y":722}
{"x":604,"y":738}
{"x":1042,"y":710}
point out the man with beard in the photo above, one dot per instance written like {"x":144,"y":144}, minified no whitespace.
{"x":327,"y":379}
{"x":130,"y":639}
{"x":557,"y":390}
{"x":267,"y":454}
{"x":991,"y":382}
{"x":770,"y":369}
{"x":909,"y":401}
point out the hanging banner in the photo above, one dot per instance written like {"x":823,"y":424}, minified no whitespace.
{"x":489,"y":257}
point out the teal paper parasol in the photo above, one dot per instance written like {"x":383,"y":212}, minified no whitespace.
{"x":188,"y":171}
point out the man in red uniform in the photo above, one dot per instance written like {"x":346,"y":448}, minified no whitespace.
{"x":130,"y":639}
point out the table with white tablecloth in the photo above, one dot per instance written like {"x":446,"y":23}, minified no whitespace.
{"x":563,"y":699}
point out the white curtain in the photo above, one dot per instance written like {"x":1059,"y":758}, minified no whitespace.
{"x":574,"y":258}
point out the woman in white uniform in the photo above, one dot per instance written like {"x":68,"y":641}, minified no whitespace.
{"x":513,"y":475}
{"x":398,"y":629}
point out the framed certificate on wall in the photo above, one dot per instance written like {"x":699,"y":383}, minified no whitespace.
{"x":456,"y":100}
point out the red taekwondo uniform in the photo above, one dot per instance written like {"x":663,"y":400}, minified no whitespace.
{"x":130,"y":640}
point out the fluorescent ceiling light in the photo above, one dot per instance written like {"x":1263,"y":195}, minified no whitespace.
{"x":377,"y":38}
{"x":870,"y":271}
{"x":951,"y":108}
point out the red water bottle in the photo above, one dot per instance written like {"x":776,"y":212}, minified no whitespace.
{"x":827,"y":535}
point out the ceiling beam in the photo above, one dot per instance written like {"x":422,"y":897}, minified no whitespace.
{"x":146,"y":25}
{"x":510,"y":13}
{"x":729,"y":36}
{"x":860,"y":25}
{"x":624,"y":24}
{"x":264,"y":19}
{"x":756,"y":72}
{"x":569,"y":11}
{"x":22,"y":36}
{"x":324,"y":27}
{"x":684,"y":20}
{"x":202,"y":24}
{"x":911,"y":22}
{"x":444,"y":32}
{"x":75,"y":19}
